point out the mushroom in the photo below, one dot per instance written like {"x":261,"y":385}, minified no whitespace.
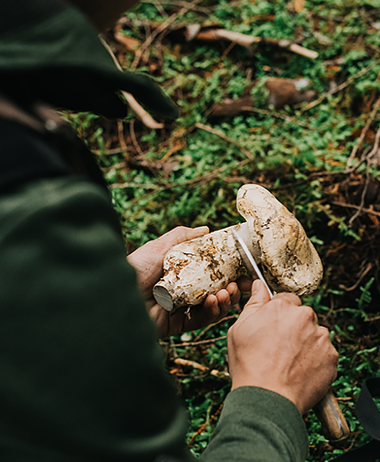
{"x":276,"y":239}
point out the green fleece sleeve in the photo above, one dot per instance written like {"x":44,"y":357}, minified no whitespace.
{"x":82,"y":376}
{"x":258,"y":425}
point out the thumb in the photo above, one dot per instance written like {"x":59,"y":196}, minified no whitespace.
{"x":259,"y":296}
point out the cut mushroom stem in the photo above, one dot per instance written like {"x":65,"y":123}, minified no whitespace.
{"x":202,"y":266}
{"x":277,"y":241}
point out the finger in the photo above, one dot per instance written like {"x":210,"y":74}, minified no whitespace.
{"x":259,"y":297}
{"x":234,"y":292}
{"x":224,"y":302}
{"x":291,"y":298}
{"x":245,"y":284}
{"x":211,"y":307}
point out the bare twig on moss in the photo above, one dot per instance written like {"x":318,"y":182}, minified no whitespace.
{"x":141,"y":113}
{"x":158,"y":31}
{"x":199,"y":342}
{"x":120,"y":129}
{"x":224,"y":137}
{"x":133,"y":138}
{"x":361,"y":277}
{"x":352,"y":206}
{"x":108,"y":152}
{"x":363,"y":133}
{"x":210,"y":326}
{"x":203,"y":427}
{"x":189,"y":5}
{"x":337,"y":89}
{"x":365,"y":189}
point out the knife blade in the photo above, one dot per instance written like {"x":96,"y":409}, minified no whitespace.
{"x":248,"y":260}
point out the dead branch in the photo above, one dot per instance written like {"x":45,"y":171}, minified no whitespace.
{"x":361,"y":277}
{"x":158,"y":31}
{"x":200,"y":367}
{"x":363,"y":133}
{"x":337,"y":89}
{"x":224,"y":137}
{"x":353,"y":206}
{"x":200,"y":342}
{"x":141,"y":113}
{"x":368,"y":158}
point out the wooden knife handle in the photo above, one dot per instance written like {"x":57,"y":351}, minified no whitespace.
{"x":334,"y":424}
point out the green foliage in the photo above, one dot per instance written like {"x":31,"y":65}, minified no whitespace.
{"x":190,"y":176}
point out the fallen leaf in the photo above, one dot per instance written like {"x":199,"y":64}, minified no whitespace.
{"x":282,"y":92}
{"x":299,"y":5}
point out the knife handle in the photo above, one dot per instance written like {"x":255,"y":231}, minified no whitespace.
{"x":334,"y":424}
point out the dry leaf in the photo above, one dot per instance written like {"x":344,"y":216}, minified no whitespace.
{"x":299,"y":5}
{"x":282,"y":92}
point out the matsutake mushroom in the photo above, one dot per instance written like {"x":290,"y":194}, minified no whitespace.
{"x":276,"y":239}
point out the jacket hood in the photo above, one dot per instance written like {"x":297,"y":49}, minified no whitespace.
{"x":49,"y":49}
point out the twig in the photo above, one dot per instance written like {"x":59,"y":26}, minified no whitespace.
{"x":159,"y":7}
{"x":156,"y":32}
{"x":204,"y":425}
{"x":349,"y":289}
{"x":133,"y":138}
{"x":187,"y":363}
{"x":135,"y":185}
{"x":210,"y":326}
{"x":188,"y":5}
{"x":365,"y":189}
{"x":200,"y":342}
{"x":108,"y":152}
{"x":274,"y":114}
{"x":376,"y":318}
{"x":337,"y":89}
{"x":352,"y":206}
{"x":120,"y":129}
{"x":141,"y":113}
{"x":224,"y":137}
{"x":363,"y":133}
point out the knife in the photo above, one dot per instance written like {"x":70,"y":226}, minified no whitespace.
{"x":249,"y":261}
{"x":333,"y":422}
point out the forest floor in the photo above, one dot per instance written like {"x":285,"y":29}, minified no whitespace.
{"x":317,"y":150}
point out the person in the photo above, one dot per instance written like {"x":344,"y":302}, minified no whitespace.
{"x":82,"y":376}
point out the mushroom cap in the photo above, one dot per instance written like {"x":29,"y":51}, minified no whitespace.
{"x":289,"y":260}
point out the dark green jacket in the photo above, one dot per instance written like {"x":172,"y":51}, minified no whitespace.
{"x":81,"y":374}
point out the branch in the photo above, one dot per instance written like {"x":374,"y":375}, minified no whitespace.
{"x":363,"y":133}
{"x":140,"y":112}
{"x":224,"y":137}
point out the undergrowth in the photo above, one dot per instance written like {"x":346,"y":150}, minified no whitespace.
{"x":189,"y":172}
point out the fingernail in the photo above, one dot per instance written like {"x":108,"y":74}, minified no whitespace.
{"x":256,"y":286}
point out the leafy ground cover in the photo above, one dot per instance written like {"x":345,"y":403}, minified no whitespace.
{"x":321,"y":159}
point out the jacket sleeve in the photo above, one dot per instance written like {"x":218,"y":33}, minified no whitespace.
{"x":258,"y":425}
{"x":82,"y":376}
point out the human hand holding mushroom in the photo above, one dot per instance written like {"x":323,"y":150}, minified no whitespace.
{"x":147,"y":260}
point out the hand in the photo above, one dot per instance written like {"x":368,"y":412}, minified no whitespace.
{"x":148,"y":260}
{"x":278,"y":345}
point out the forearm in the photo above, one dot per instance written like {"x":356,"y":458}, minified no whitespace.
{"x":258,"y":425}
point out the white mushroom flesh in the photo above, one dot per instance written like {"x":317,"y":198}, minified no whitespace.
{"x":289,"y":260}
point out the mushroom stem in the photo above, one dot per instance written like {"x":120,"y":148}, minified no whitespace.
{"x":200,"y":267}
